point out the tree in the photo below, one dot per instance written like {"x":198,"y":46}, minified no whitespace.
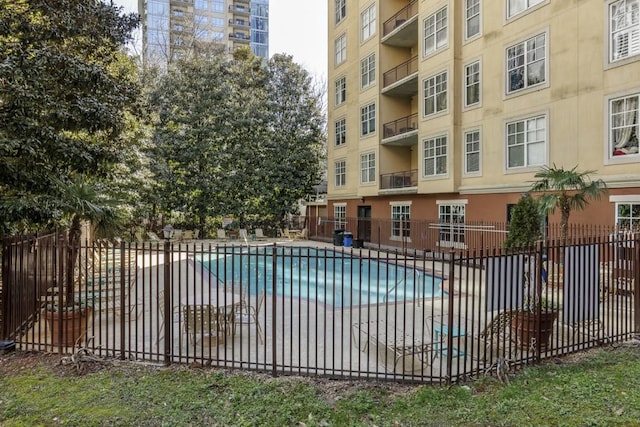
{"x":68,"y":96}
{"x":524,"y":228}
{"x":236,"y":136}
{"x":567,"y":190}
{"x":80,"y":201}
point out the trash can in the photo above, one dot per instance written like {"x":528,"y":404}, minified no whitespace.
{"x":338,"y":236}
{"x":357,"y":243}
{"x":347,"y":239}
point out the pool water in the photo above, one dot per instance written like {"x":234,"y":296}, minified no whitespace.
{"x":333,"y":278}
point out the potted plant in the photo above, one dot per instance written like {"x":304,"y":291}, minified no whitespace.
{"x":232,"y":229}
{"x":533,"y":322}
{"x":69,"y":312}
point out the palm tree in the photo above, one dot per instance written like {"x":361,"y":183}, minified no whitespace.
{"x":567,"y":190}
{"x":81,"y":201}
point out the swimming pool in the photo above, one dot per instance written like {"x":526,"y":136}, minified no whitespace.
{"x":324,"y":275}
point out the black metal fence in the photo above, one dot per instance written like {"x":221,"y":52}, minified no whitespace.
{"x":316,"y":309}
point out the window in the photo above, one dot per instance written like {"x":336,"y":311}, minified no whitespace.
{"x":451,"y":217}
{"x":514,"y":7}
{"x":217,"y":5}
{"x":177,"y":27}
{"x":628,"y":216}
{"x":472,"y":19}
{"x":341,"y":131}
{"x":368,"y":71}
{"x":472,"y":152}
{"x":341,"y":90}
{"x":177,"y":12}
{"x":472,"y":84}
{"x":341,"y":173}
{"x":341,"y":49}
{"x":368,"y":119}
{"x":368,"y":168}
{"x":217,"y":22}
{"x":526,"y":142}
{"x":341,"y":10}
{"x":340,"y":216}
{"x":435,"y":31}
{"x":623,"y":123}
{"x":201,"y":4}
{"x":624,"y":16}
{"x":435,"y":94}
{"x":526,"y":63}
{"x":368,"y":22}
{"x":400,"y":220}
{"x":435,"y":156}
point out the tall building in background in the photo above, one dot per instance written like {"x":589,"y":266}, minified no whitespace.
{"x":171,"y":27}
{"x":444,"y":110}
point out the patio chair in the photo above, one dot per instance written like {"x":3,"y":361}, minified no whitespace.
{"x":248,"y":314}
{"x":243,"y":234}
{"x":221,"y":234}
{"x":260,"y":234}
{"x":401,"y":352}
{"x":153,"y":236}
{"x":208,"y":321}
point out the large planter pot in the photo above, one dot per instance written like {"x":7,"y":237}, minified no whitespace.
{"x":72,"y":323}
{"x":533,"y":331}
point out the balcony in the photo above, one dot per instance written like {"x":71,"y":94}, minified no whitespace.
{"x":404,"y":180}
{"x":239,"y":23}
{"x":240,"y":37}
{"x":240,"y":10}
{"x":402,"y":80}
{"x":401,"y":29}
{"x":401,"y":132}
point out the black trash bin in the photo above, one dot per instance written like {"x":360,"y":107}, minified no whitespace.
{"x":347,"y":240}
{"x":338,"y":236}
{"x":357,"y":243}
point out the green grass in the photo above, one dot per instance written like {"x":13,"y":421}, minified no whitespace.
{"x":601,"y":389}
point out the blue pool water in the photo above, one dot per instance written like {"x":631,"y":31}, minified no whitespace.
{"x":323,"y":275}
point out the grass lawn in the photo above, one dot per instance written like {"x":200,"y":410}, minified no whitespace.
{"x":599,"y":387}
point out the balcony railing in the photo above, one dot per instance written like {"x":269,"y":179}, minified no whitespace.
{"x":239,"y":23}
{"x":400,"y":72}
{"x":400,"y":18}
{"x":240,"y":9}
{"x":401,"y":126}
{"x":404,"y":179}
{"x":241,"y":37}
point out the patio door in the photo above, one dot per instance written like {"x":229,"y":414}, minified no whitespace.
{"x":364,"y":223}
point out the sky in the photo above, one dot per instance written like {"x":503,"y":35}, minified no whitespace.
{"x":296,"y":27}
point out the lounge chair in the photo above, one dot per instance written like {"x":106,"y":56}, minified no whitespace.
{"x":248,"y":314}
{"x":153,"y":236}
{"x":401,"y":352}
{"x":243,"y":234}
{"x":221,"y":234}
{"x":260,"y":234}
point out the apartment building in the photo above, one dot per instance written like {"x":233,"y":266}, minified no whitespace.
{"x":170,"y":27}
{"x":444,"y":110}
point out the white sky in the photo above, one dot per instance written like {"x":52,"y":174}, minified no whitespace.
{"x":296,"y":27}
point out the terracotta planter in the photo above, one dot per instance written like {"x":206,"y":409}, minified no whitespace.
{"x":73,"y":324}
{"x":532,"y":332}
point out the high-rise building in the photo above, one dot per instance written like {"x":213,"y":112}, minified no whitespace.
{"x":171,"y":27}
{"x":444,"y":110}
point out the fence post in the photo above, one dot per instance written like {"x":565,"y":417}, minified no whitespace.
{"x":167,"y":303}
{"x":636,"y":285}
{"x":123,"y":286}
{"x":450,"y":333}
{"x":274,"y":303}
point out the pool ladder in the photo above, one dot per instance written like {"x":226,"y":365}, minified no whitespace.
{"x":402,"y":280}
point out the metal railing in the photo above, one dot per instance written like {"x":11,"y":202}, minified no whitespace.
{"x":400,"y":72}
{"x":397,"y":20}
{"x":397,"y":180}
{"x":401,"y":126}
{"x":329,"y":311}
